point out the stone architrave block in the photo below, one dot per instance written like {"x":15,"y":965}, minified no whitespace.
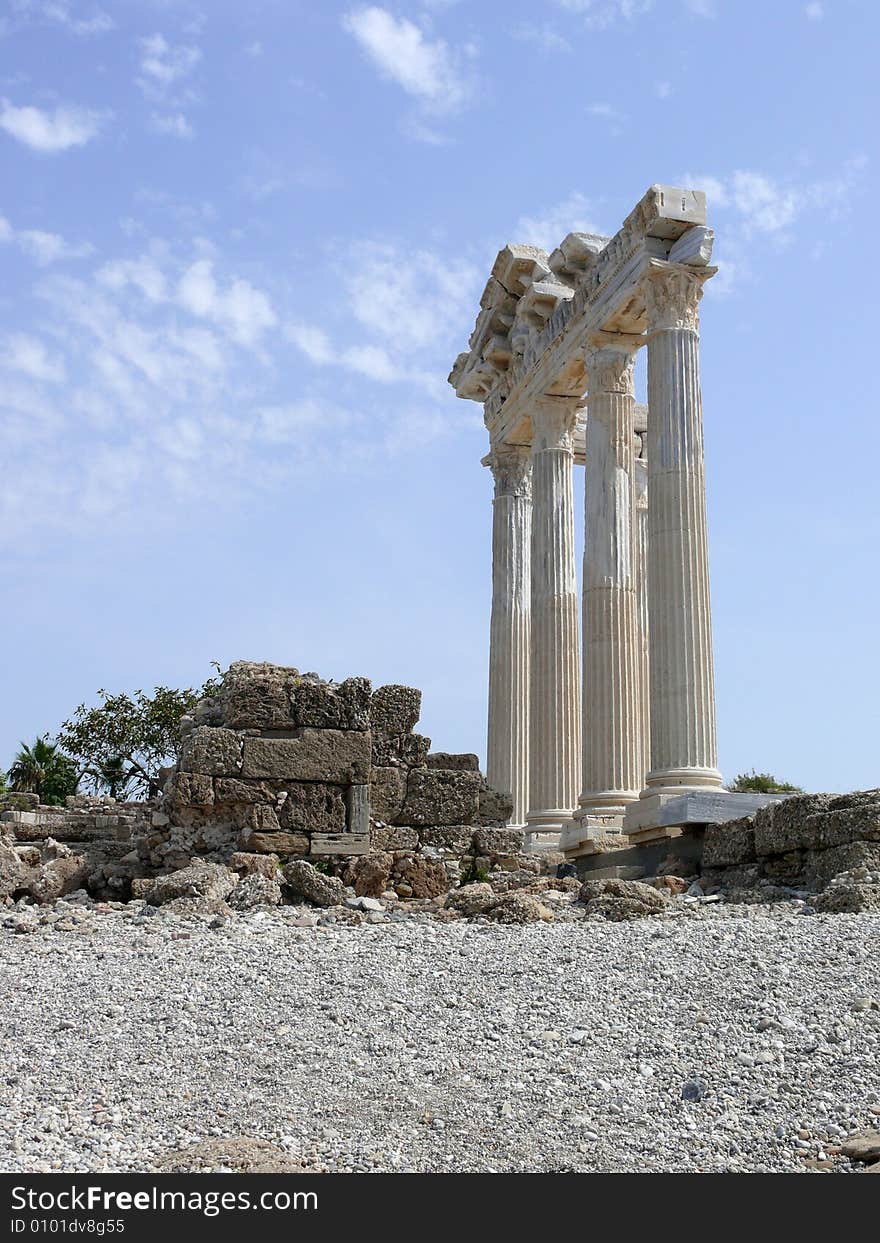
{"x":340,"y":757}
{"x":257,"y":696}
{"x":357,"y":799}
{"x":331,"y":705}
{"x":435,"y":796}
{"x":387,"y":793}
{"x":729,"y":844}
{"x":214,"y":752}
{"x":395,"y":710}
{"x":453,"y":762}
{"x":789,"y":825}
{"x":340,"y":844}
{"x":314,"y":807}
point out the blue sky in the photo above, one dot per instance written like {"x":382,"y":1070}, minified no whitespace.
{"x":241,"y":247}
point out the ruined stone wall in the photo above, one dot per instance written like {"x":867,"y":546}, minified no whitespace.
{"x":289,"y":764}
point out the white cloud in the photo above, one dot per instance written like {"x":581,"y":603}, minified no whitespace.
{"x":370,"y":361}
{"x":241,"y":310}
{"x":44,"y":248}
{"x":28,"y":355}
{"x":770,"y":205}
{"x":97,"y":24}
{"x":547,"y":229}
{"x":701,"y":8}
{"x":163,"y":63}
{"x":814,"y":12}
{"x":606,"y":112}
{"x":600,"y":14}
{"x":50,"y":132}
{"x":544,"y":37}
{"x":429,"y":71}
{"x":144,"y":274}
{"x":175,"y":124}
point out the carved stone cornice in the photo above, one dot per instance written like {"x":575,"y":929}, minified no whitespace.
{"x":672,"y":296}
{"x":553,"y":423}
{"x":512,"y":471}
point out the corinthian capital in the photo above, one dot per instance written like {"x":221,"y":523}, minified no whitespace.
{"x":609,"y":361}
{"x":672,"y":296}
{"x":553,"y":423}
{"x":511,"y":468}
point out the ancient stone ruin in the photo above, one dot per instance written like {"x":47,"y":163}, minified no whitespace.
{"x":624,"y":738}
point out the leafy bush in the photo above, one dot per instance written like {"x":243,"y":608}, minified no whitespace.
{"x":761,"y":783}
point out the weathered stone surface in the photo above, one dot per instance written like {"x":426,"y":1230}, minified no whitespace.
{"x":729,"y":844}
{"x":863,"y":1146}
{"x":257,"y":696}
{"x":339,"y":844}
{"x":388,"y":837}
{"x":520,"y":908}
{"x":453,"y":761}
{"x":262,"y":818}
{"x":455,"y":839}
{"x":241,"y":1154}
{"x":414,"y":749}
{"x":387,"y":793}
{"x":495,"y":842}
{"x":199,"y":880}
{"x":62,"y":872}
{"x":15,"y":875}
{"x":435,"y":797}
{"x":331,"y":705}
{"x":198,"y":908}
{"x":823,"y":865}
{"x":850,"y":824}
{"x":357,"y":809}
{"x":616,"y":900}
{"x":307,"y":882}
{"x":313,"y":807}
{"x":494,"y":808}
{"x":234,"y":790}
{"x":370,"y":875}
{"x":856,"y":799}
{"x":215,"y":752}
{"x":418,"y":877}
{"x":848,"y":894}
{"x":395,"y":710}
{"x":275,"y":843}
{"x":339,"y":757}
{"x":248,"y":864}
{"x":195,"y":789}
{"x":781,"y":827}
{"x":470,"y":900}
{"x":255,"y":890}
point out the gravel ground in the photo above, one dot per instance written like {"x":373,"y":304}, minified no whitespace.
{"x":718,"y":1039}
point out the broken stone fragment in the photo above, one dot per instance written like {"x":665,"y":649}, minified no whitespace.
{"x":200,"y":879}
{"x":247,"y":863}
{"x":519,"y":908}
{"x":395,"y":710}
{"x":453,"y":762}
{"x":331,"y":705}
{"x":257,"y":696}
{"x":305,"y":881}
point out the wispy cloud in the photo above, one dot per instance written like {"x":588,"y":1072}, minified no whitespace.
{"x":43,"y":247}
{"x":163,"y":64}
{"x":50,"y":131}
{"x":428,"y":70}
{"x":29,"y":356}
{"x":600,"y":14}
{"x":613,"y":118}
{"x":814,"y":11}
{"x":573,"y":214}
{"x":97,"y":23}
{"x":174,"y":123}
{"x":545,"y":37}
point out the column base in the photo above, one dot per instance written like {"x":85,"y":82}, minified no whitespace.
{"x":588,"y":834}
{"x":553,"y":820}
{"x":681,"y":779}
{"x":605,"y":803}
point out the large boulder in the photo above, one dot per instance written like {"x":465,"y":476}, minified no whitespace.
{"x":415,"y":876}
{"x":61,"y":873}
{"x":200,"y":879}
{"x":370,"y":875}
{"x":305,"y":881}
{"x":470,"y":900}
{"x":520,"y":908}
{"x":617,"y":900}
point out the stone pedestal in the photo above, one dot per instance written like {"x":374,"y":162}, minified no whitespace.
{"x":682,"y":694}
{"x":507,"y":764}
{"x":613,"y":769}
{"x":554,"y":710}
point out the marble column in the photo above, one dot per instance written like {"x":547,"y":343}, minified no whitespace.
{"x":612,"y":743}
{"x":554,"y":708}
{"x":641,"y":570}
{"x":683,"y":743}
{"x":507,"y":763}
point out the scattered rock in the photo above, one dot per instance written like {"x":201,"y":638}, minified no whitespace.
{"x":307,"y":882}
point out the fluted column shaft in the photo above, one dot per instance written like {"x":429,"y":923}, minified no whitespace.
{"x":612,"y":743}
{"x":683,"y":742}
{"x":507,"y":762}
{"x":642,"y":631}
{"x":554,"y":710}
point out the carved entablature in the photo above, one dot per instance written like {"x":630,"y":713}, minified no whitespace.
{"x":539,"y":311}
